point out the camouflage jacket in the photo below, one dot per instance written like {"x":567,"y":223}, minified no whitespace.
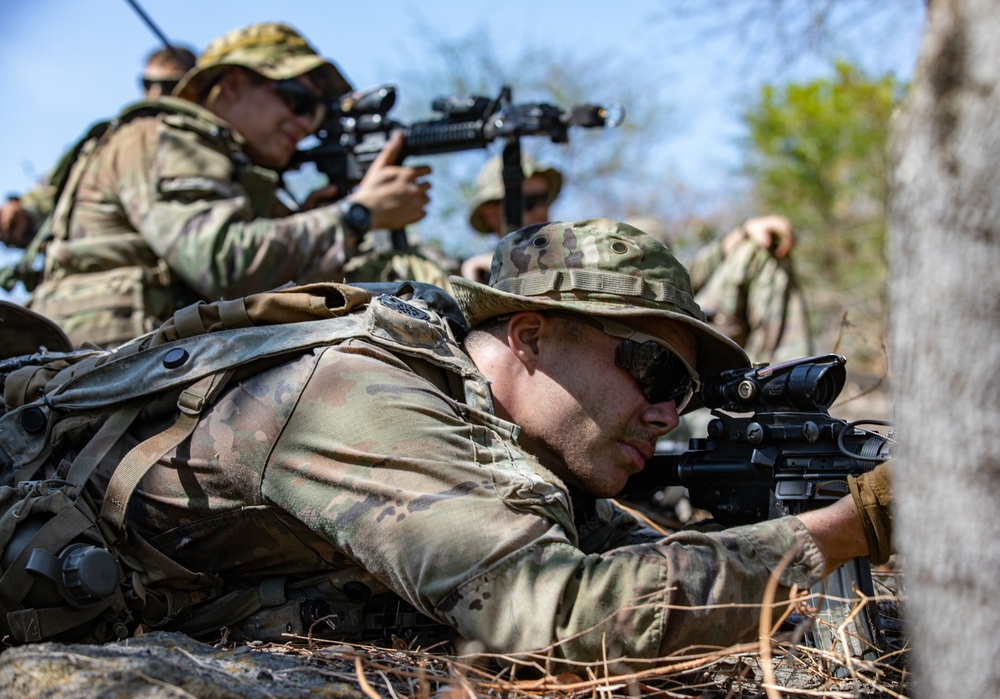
{"x":169,"y":191}
{"x":755,"y":299}
{"x":378,"y":460}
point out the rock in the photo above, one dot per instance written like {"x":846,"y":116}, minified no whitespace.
{"x":168,"y":665}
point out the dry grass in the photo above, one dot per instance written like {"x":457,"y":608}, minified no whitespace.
{"x":774,"y":667}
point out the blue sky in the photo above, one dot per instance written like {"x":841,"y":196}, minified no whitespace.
{"x":65,"y":63}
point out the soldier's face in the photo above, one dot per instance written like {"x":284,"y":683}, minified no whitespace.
{"x":586,"y":418}
{"x":535,"y":205}
{"x":536,"y":200}
{"x":273,"y":116}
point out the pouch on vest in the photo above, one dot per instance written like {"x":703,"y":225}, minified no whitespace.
{"x":109,"y":307}
{"x":107,"y":289}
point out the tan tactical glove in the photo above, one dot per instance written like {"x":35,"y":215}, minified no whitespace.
{"x":872,"y":493}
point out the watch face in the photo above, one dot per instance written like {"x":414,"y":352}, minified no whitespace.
{"x":358,"y":217}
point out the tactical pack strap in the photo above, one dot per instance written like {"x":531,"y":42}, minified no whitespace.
{"x":233,"y":607}
{"x":97,"y":448}
{"x":188,"y":321}
{"x":66,"y":193}
{"x":33,"y":625}
{"x":233,"y":314}
{"x":144,"y":455}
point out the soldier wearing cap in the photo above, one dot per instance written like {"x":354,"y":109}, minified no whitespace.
{"x":541,"y":186}
{"x":472,"y":480}
{"x":177,"y":202}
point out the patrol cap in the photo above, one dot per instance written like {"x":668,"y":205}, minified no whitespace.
{"x":27,"y":332}
{"x":594,"y":267}
{"x":489,"y":186}
{"x":274,"y":50}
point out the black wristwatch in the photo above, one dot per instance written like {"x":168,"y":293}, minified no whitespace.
{"x":357,"y":217}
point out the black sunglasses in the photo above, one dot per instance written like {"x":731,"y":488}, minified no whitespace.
{"x":658,"y":369}
{"x":166,"y":86}
{"x":533,"y":201}
{"x":300,"y":99}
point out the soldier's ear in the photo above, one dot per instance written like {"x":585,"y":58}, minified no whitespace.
{"x":233,"y":83}
{"x":524,"y":333}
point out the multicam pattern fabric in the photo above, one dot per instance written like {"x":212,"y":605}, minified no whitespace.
{"x":170,"y":193}
{"x":599,"y":267}
{"x":379,"y":460}
{"x":754,"y":298}
{"x":375,"y":262}
{"x":37,"y":203}
{"x":274,"y":50}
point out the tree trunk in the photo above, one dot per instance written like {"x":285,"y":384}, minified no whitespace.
{"x":945,"y":350}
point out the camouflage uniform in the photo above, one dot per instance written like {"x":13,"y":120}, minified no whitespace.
{"x":754,"y":298}
{"x":379,"y":462}
{"x":37,"y":204}
{"x":166,"y":208}
{"x":169,"y":195}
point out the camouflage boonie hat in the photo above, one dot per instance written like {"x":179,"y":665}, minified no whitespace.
{"x":27,"y":332}
{"x":594,"y":267}
{"x":489,"y":186}
{"x":273,"y":50}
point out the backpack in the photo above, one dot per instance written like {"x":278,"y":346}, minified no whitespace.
{"x":69,"y":569}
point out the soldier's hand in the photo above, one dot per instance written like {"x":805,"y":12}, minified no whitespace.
{"x":14,"y":224}
{"x":872,"y":495}
{"x":772,"y":233}
{"x":395,"y":195}
{"x":478,"y":268}
{"x":320,"y":197}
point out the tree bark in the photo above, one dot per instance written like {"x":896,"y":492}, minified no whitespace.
{"x":945,"y":350}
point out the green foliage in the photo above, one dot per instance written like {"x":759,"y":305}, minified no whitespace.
{"x":816,"y":152}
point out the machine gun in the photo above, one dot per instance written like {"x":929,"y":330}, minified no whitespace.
{"x":787,"y":457}
{"x":357,"y":126}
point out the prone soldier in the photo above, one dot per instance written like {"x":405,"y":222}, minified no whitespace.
{"x":472,"y":480}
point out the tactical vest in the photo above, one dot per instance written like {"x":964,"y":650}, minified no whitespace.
{"x":70,"y":567}
{"x":109,"y":288}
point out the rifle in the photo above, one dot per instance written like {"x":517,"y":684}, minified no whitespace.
{"x":789,"y":456}
{"x":357,"y":126}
